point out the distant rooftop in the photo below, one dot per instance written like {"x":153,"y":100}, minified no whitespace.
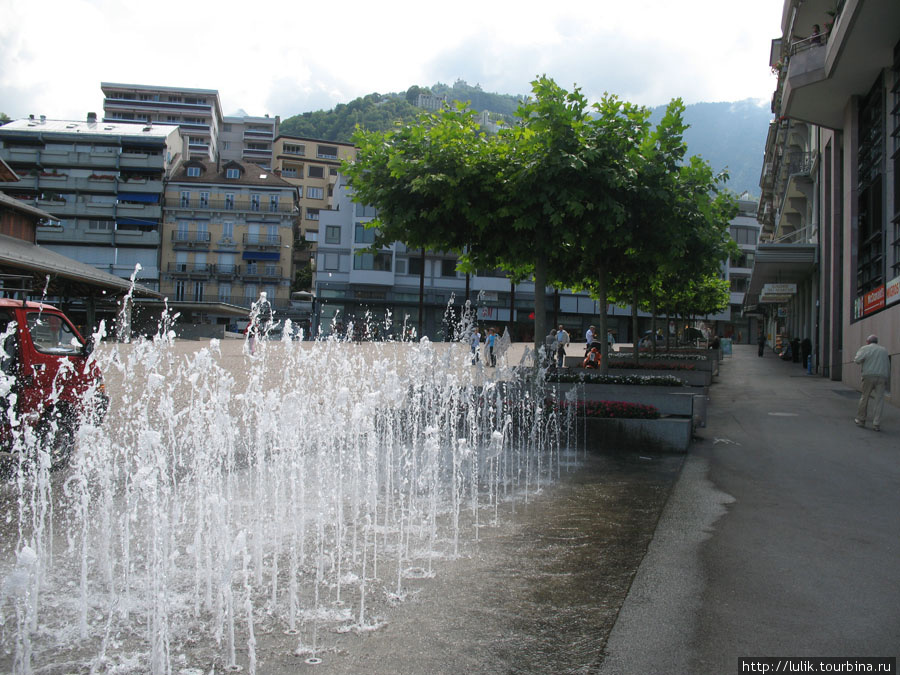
{"x":142,"y":129}
{"x":153,"y":87}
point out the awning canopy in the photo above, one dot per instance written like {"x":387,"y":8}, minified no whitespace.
{"x":780,"y":264}
{"x":145,"y":222}
{"x":145,"y":197}
{"x":261,"y":255}
{"x":219,"y":308}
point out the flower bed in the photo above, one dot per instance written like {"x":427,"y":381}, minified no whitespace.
{"x":606,"y":409}
{"x":597,"y":378}
{"x":649,"y":365}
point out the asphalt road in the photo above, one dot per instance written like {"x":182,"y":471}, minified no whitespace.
{"x":781,"y":536}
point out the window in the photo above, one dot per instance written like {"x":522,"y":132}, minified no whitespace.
{"x":225,"y":144}
{"x":254,"y":202}
{"x":333,"y":234}
{"x":448,"y":268}
{"x":289,"y":173}
{"x":179,"y":291}
{"x":229,"y":201}
{"x":314,"y":193}
{"x":100,"y":225}
{"x":331,"y":261}
{"x":332,"y":171}
{"x":51,"y":334}
{"x":250,"y":293}
{"x":225,"y":265}
{"x":870,"y":267}
{"x":272,"y":236}
{"x":232,"y":173}
{"x":739,"y":284}
{"x":293,"y":149}
{"x":198,"y":291}
{"x":312,"y":214}
{"x":204,"y":200}
{"x":400,"y":267}
{"x":327,"y":152}
{"x":203,"y":231}
{"x":228,"y":231}
{"x":316,"y":172}
{"x":226,"y":128}
{"x":378,"y":262}
{"x":185,"y":199}
{"x":415,"y":266}
{"x":224,"y":292}
{"x":364,"y":235}
{"x":193,"y":171}
{"x":363,"y":211}
{"x":273,"y":203}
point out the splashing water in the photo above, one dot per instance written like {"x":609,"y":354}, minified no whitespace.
{"x":296,"y":486}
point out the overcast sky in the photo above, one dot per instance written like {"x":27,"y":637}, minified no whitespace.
{"x":285,"y":57}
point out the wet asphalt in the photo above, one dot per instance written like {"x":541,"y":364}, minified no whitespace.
{"x":781,"y":536}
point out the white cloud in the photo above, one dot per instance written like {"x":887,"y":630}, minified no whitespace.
{"x":285,"y":57}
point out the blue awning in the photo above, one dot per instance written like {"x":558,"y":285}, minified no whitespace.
{"x":147,"y":197}
{"x":261,"y":255}
{"x":137,"y":221}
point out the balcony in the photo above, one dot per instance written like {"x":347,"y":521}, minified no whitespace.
{"x":240,"y":204}
{"x":225,"y":271}
{"x":147,"y":185}
{"x":130,"y":104}
{"x":260,"y":272}
{"x":146,"y":211}
{"x":190,"y":270}
{"x":822,"y":77}
{"x":262,"y":240}
{"x":140,"y":160}
{"x":20,"y":155}
{"x":190,"y":239}
{"x":258,"y":135}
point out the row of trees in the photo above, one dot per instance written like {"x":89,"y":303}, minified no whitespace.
{"x":579,"y":196}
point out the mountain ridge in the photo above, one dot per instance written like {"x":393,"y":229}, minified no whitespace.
{"x":730,"y":135}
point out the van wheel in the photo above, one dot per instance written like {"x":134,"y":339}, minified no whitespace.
{"x":58,"y":441}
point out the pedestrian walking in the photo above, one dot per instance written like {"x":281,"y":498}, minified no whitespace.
{"x":589,"y":339}
{"x":761,"y":341}
{"x":562,"y":339}
{"x":875,"y":363}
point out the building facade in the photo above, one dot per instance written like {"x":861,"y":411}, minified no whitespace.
{"x":102,"y":183}
{"x":197,"y":112}
{"x":248,"y":139}
{"x":312,"y":166}
{"x":227,"y":237}
{"x":831,"y":193}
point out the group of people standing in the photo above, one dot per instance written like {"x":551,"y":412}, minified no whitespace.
{"x":558,"y":339}
{"x":490,"y":342}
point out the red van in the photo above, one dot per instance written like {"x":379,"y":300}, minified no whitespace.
{"x":47,"y":382}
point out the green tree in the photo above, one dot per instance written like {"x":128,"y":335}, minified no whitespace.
{"x":4,"y":118}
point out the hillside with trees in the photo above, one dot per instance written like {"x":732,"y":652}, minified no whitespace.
{"x":729,"y":136}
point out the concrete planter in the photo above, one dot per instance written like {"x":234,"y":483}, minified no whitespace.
{"x":662,"y":435}
{"x":671,"y":401}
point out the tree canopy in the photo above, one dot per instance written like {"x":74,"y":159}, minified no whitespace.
{"x":576,"y":196}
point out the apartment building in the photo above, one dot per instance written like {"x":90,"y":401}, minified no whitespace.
{"x":227,"y":237}
{"x":382,"y":288}
{"x":197,"y":112}
{"x":828,"y":266}
{"x":248,"y":139}
{"x":313,"y":167}
{"x":102,"y":183}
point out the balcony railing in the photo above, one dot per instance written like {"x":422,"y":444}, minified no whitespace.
{"x":260,"y":271}
{"x":190,"y":238}
{"x":263,"y":240}
{"x":190,"y":269}
{"x":238,"y":203}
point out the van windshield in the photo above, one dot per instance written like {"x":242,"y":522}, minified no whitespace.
{"x":51,"y":334}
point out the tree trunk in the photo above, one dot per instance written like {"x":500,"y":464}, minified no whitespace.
{"x":653,"y":324}
{"x":636,"y":338}
{"x":604,"y":321}
{"x":540,"y":303}
{"x":422,"y":296}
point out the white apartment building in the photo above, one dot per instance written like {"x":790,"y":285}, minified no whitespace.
{"x":197,"y":112}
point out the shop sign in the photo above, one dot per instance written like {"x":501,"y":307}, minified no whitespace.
{"x":892,"y":291}
{"x":779,"y":289}
{"x":873,"y":301}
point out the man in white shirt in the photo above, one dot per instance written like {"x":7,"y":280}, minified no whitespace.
{"x":875,"y":364}
{"x":562,"y":339}
{"x":588,"y":339}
